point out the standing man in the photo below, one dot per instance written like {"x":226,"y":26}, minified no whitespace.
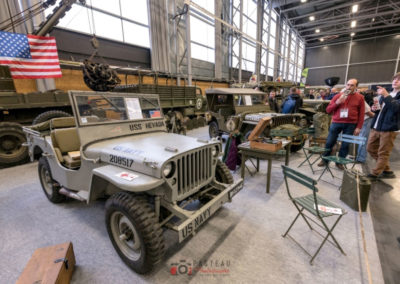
{"x":382,"y":135}
{"x":293,"y":102}
{"x":347,"y":109}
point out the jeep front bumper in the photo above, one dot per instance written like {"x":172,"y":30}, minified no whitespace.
{"x":193,"y":219}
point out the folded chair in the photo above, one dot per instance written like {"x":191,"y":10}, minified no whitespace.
{"x":317,"y":207}
{"x":312,"y":150}
{"x":356,"y":140}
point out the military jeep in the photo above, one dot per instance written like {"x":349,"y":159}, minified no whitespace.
{"x":117,"y":146}
{"x":240,"y":110}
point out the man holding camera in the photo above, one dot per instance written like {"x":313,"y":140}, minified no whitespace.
{"x":382,"y":136}
{"x":347,"y":109}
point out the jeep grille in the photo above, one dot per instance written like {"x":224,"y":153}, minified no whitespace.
{"x":194,"y":169}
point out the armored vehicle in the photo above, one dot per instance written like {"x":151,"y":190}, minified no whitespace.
{"x":239,"y":110}
{"x":117,"y":146}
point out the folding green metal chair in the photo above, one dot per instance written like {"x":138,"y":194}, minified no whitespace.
{"x":318,"y":207}
{"x":357,"y":140}
{"x":312,"y":150}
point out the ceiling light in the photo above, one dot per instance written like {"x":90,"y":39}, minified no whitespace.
{"x":321,"y":39}
{"x":312,"y":18}
{"x":353,"y":23}
{"x":303,"y":1}
{"x":373,"y":19}
{"x":352,"y":34}
{"x":317,"y":30}
{"x":354,"y":9}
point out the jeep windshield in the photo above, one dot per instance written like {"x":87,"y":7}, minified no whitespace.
{"x":248,"y":100}
{"x":98,"y":108}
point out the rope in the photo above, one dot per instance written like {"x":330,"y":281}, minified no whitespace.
{"x":362,"y":230}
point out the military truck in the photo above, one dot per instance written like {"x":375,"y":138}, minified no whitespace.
{"x":240,"y":110}
{"x":17,"y":109}
{"x":117,"y":146}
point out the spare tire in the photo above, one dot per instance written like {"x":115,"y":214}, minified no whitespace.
{"x":45,"y":116}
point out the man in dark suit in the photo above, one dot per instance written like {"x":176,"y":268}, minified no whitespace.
{"x":383,"y":132}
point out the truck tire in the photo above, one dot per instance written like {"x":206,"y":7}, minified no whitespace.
{"x":11,"y":138}
{"x":213,"y":129}
{"x":222,"y":173}
{"x":134,"y":231}
{"x":49,"y":185}
{"x":45,"y":116}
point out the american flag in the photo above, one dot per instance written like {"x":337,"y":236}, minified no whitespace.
{"x":29,"y":56}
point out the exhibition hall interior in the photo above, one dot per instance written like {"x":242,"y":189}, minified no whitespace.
{"x":199,"y":141}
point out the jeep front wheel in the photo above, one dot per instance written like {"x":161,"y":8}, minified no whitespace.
{"x":134,"y":231}
{"x":50,"y":187}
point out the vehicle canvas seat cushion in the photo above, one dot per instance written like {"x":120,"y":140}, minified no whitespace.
{"x":62,"y":122}
{"x":66,"y":140}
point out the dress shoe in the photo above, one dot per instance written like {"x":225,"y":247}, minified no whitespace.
{"x":340,"y":166}
{"x":322,"y":164}
{"x":372,"y":177}
{"x":387,"y":174}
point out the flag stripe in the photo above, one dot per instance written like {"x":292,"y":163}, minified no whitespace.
{"x":34,"y":62}
{"x":38,"y":67}
{"x":36,"y":44}
{"x":36,"y":73}
{"x":22,"y":60}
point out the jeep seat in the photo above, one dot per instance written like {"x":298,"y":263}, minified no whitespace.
{"x":66,"y":144}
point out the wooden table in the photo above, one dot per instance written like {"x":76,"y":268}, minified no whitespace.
{"x":248,"y":152}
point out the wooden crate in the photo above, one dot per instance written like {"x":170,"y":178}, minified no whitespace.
{"x":48,"y":265}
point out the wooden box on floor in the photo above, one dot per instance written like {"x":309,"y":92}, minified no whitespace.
{"x":257,"y":142}
{"x":53,"y":264}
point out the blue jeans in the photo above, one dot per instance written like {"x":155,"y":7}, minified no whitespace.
{"x":362,"y":151}
{"x":334,"y":131}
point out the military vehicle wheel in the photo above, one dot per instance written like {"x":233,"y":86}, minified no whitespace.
{"x":134,"y":231}
{"x":11,"y":138}
{"x":222,"y":173}
{"x":299,"y":144}
{"x":49,"y":115}
{"x":49,"y":185}
{"x":213,"y":129}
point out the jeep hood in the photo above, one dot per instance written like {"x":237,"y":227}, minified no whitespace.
{"x":145,"y":153}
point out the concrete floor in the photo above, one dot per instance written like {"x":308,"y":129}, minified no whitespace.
{"x":242,"y":240}
{"x":385,"y":210}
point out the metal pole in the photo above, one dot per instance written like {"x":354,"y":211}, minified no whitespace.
{"x":260,"y":11}
{"x":188,"y":48}
{"x":348,"y":62}
{"x":178,"y":77}
{"x":397,"y":62}
{"x":240,"y":40}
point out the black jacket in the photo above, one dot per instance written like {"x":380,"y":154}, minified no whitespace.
{"x":389,"y":119}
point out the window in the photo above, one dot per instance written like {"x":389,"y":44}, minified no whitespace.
{"x":202,"y":32}
{"x":126,"y":23}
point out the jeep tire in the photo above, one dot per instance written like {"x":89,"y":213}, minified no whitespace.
{"x":134,"y":231}
{"x":222,"y":173}
{"x":213,"y":129}
{"x":49,"y":185}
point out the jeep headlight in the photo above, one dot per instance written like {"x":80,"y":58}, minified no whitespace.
{"x":169,"y":169}
{"x":215,"y":151}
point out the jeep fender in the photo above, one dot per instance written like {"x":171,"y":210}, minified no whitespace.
{"x":122,"y":179}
